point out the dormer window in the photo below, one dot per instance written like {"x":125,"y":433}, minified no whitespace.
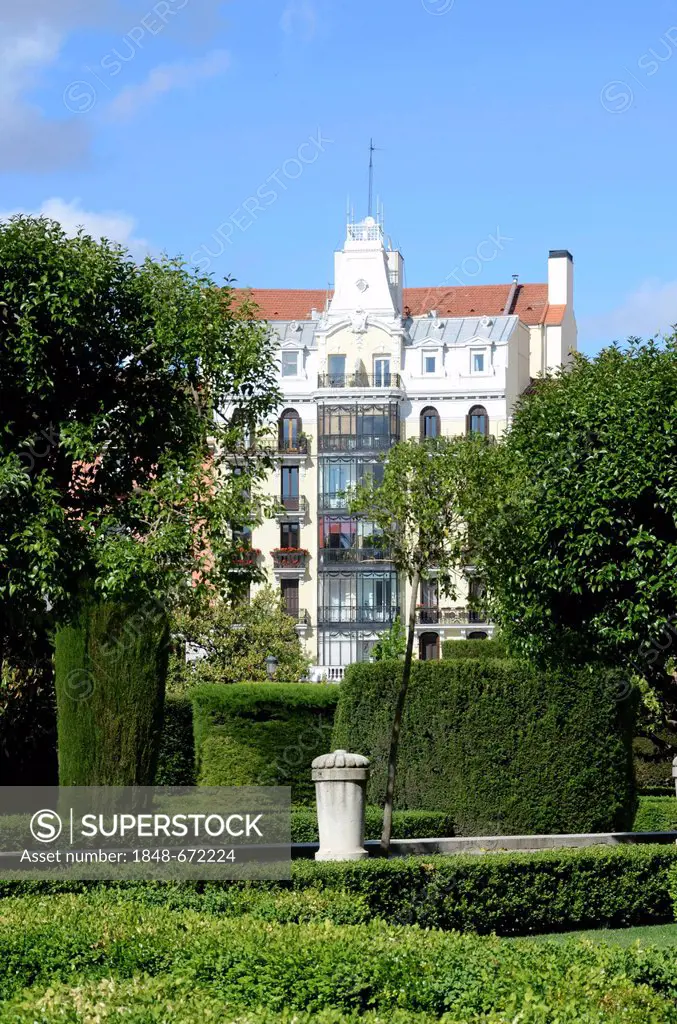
{"x":477,"y":362}
{"x":430,"y":364}
{"x":290,"y":364}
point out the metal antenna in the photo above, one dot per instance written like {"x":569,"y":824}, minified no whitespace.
{"x":372,"y":150}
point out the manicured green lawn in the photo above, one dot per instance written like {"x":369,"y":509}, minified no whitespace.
{"x":661,"y":936}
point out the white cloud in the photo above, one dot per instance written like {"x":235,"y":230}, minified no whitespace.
{"x":167,"y":77}
{"x":115,"y":226}
{"x":33,"y":36}
{"x":28,"y":141}
{"x":651,"y":309}
{"x":299,"y":18}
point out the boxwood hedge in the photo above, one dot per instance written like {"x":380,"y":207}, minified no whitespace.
{"x":258,"y":734}
{"x":499,"y":746}
{"x":68,"y":959}
{"x":506,"y":893}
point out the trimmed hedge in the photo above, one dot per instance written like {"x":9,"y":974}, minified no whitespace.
{"x":258,"y":734}
{"x":176,"y":764}
{"x":110,"y":669}
{"x":406,"y":824}
{"x":509,"y":893}
{"x":459,"y":650}
{"x":499,"y":746}
{"x":74,"y":960}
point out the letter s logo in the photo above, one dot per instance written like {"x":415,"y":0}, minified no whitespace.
{"x":46,"y":826}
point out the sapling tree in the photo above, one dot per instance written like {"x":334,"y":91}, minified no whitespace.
{"x":417,"y":507}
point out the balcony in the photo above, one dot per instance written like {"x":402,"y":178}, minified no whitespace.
{"x":431,"y":615}
{"x":359,"y":380}
{"x":331,"y":557}
{"x":356,"y":614}
{"x":293,"y":508}
{"x":296,"y":446}
{"x":291,"y":560}
{"x":245,"y":558}
{"x":301,"y":618}
{"x":333,"y":501}
{"x":329,"y":443}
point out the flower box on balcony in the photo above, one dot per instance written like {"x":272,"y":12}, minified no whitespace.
{"x":289,"y":558}
{"x":246,"y":556}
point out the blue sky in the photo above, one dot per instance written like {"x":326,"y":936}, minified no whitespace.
{"x":234,"y":133}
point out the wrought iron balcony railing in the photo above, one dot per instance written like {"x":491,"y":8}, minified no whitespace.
{"x":356,"y":613}
{"x":333,"y":501}
{"x":329,"y":443}
{"x":294,"y":446}
{"x":293,"y":507}
{"x":337,"y":556}
{"x":300,"y":616}
{"x":289,"y":558}
{"x":359,"y":380}
{"x":431,"y":615}
{"x":245,"y":557}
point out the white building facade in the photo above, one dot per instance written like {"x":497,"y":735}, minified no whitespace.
{"x":362,"y":368}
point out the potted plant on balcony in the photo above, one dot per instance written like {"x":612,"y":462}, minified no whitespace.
{"x":289,"y":558}
{"x":245,"y":556}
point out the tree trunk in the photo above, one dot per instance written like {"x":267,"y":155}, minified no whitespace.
{"x":397,"y":721}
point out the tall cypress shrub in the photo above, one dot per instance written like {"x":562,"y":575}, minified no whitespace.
{"x":110,"y":671}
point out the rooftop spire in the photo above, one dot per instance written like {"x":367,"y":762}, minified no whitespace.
{"x":372,"y":150}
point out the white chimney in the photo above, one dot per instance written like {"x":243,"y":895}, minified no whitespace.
{"x":560,"y":278}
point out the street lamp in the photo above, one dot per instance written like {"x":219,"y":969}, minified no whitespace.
{"x":271,"y":665}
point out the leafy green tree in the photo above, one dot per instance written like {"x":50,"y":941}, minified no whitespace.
{"x":575,"y":516}
{"x":124,"y":390}
{"x":417,"y":508}
{"x":234,"y":641}
{"x":392,"y":646}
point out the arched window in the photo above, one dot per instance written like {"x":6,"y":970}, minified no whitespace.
{"x":429,"y":647}
{"x":430,"y":423}
{"x":478,"y":421}
{"x":290,"y":430}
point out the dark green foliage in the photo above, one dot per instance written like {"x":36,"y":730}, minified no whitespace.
{"x":176,"y":763}
{"x":110,"y":670}
{"x":28,"y":724}
{"x":70,"y":960}
{"x":453,"y":650}
{"x":258,"y":734}
{"x":656,"y":814}
{"x":406,"y":824}
{"x":499,"y":746}
{"x":654,"y":772}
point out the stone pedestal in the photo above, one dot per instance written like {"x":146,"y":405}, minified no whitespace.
{"x":340,"y":788}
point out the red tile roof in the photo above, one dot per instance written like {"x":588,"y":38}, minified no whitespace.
{"x":530,"y":303}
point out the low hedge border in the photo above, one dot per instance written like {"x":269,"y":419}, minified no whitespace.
{"x":506,"y":893}
{"x":406,"y":824}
